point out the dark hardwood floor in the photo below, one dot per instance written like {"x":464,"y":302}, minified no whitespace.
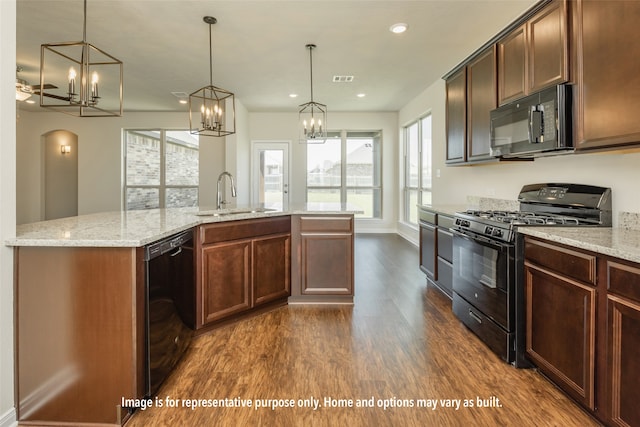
{"x":397,"y":344}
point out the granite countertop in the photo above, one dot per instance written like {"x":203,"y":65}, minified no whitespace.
{"x":444,"y":209}
{"x":141,"y":227}
{"x":617,"y":242}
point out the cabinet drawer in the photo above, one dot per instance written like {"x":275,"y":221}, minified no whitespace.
{"x":243,"y":229}
{"x":577,"y":265}
{"x":427,"y":216}
{"x":445,"y":244}
{"x":623,"y":280}
{"x":339,"y":224}
{"x":445,"y":221}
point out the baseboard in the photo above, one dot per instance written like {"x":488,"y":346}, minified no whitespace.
{"x":9,"y":419}
{"x":410,"y":239}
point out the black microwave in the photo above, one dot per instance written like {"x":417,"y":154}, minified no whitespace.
{"x":539,"y":124}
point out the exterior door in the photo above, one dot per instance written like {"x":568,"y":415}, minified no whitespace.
{"x":270,"y":173}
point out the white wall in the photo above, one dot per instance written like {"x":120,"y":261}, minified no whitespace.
{"x":99,"y":158}
{"x":283,"y":127}
{"x":7,"y":203}
{"x":503,"y":180}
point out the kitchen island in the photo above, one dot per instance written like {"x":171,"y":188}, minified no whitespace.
{"x":80,"y":287}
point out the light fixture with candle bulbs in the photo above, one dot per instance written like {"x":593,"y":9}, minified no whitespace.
{"x":312,"y":115}
{"x":80,"y":79}
{"x":207,"y":105}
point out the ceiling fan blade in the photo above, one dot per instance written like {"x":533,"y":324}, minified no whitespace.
{"x":50,"y":95}
{"x":46,"y":86}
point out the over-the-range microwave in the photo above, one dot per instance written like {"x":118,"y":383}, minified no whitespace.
{"x":539,"y":124}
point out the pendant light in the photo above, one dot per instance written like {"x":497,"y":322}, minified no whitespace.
{"x":312,"y":115}
{"x":207,"y":112}
{"x":80,"y":79}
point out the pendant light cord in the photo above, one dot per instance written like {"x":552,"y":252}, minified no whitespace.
{"x":311,"y":69}
{"x":84,"y":25}
{"x":210,"y":58}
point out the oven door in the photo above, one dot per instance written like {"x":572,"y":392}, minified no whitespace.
{"x":483,"y":274}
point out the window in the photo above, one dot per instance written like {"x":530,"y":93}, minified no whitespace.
{"x":161,"y":169}
{"x":346,"y":169}
{"x":417,"y":180}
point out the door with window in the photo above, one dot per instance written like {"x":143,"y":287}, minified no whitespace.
{"x":270,"y":173}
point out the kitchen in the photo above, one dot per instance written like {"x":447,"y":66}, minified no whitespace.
{"x":452,"y":185}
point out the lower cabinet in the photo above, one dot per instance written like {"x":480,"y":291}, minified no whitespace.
{"x":436,"y":249}
{"x":623,"y":342}
{"x":583,"y":327}
{"x":322,"y":269}
{"x":241,"y":265}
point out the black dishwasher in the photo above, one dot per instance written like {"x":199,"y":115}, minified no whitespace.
{"x":170,"y":305}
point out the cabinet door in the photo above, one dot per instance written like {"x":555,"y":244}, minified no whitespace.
{"x":225,"y":279}
{"x":456,"y":117}
{"x":623,"y":354}
{"x":271,"y":269}
{"x":327,"y":267}
{"x":560,"y":330}
{"x":512,"y":66}
{"x":607,"y":72}
{"x":548,"y":47}
{"x":428,"y":250}
{"x":481,"y":99}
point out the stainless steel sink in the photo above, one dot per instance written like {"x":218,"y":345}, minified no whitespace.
{"x":237,"y":211}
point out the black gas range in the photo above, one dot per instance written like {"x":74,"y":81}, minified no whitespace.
{"x":488,"y":258}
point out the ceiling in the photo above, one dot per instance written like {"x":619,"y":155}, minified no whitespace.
{"x":259,"y":46}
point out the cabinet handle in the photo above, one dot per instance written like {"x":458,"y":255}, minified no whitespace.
{"x":475,"y":316}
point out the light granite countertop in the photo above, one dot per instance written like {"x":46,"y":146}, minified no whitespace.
{"x":444,"y":209}
{"x":141,"y":227}
{"x":617,"y":242}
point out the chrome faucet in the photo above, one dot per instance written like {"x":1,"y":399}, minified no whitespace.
{"x":219,"y":201}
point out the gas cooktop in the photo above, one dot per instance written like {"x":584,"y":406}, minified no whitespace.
{"x":541,"y":204}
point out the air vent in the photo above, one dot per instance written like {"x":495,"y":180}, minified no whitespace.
{"x":342,"y":79}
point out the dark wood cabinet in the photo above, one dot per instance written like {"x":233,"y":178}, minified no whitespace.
{"x":512,"y":66}
{"x":456,"y":111}
{"x":271,"y":267}
{"x":481,"y":99}
{"x":241,"y":265}
{"x":560,"y":315}
{"x":583,"y":327}
{"x":436,"y":249}
{"x":548,"y":46}
{"x":535,"y":55}
{"x":226,"y":279}
{"x":623,"y":343}
{"x":322,"y":265}
{"x":608,"y":82}
{"x":428,"y":243}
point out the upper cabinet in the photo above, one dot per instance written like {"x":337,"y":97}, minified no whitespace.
{"x":481,"y":99}
{"x":607,"y":64}
{"x":471,"y":95}
{"x":534,"y":55}
{"x":456,"y":117}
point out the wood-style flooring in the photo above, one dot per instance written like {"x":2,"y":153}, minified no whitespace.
{"x":397,"y":344}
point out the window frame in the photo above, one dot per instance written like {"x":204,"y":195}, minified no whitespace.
{"x":343,"y":188}
{"x":162,"y":186}
{"x":410,"y":209}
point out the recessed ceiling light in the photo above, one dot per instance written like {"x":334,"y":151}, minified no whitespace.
{"x":30,"y":101}
{"x":293,"y":95}
{"x":183,"y":101}
{"x":398,"y":28}
{"x":361,"y":95}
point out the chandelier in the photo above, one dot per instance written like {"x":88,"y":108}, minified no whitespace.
{"x":312,"y":115}
{"x":207,"y":105}
{"x":80,"y":79}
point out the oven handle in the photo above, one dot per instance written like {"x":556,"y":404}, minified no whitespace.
{"x":480,"y":240}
